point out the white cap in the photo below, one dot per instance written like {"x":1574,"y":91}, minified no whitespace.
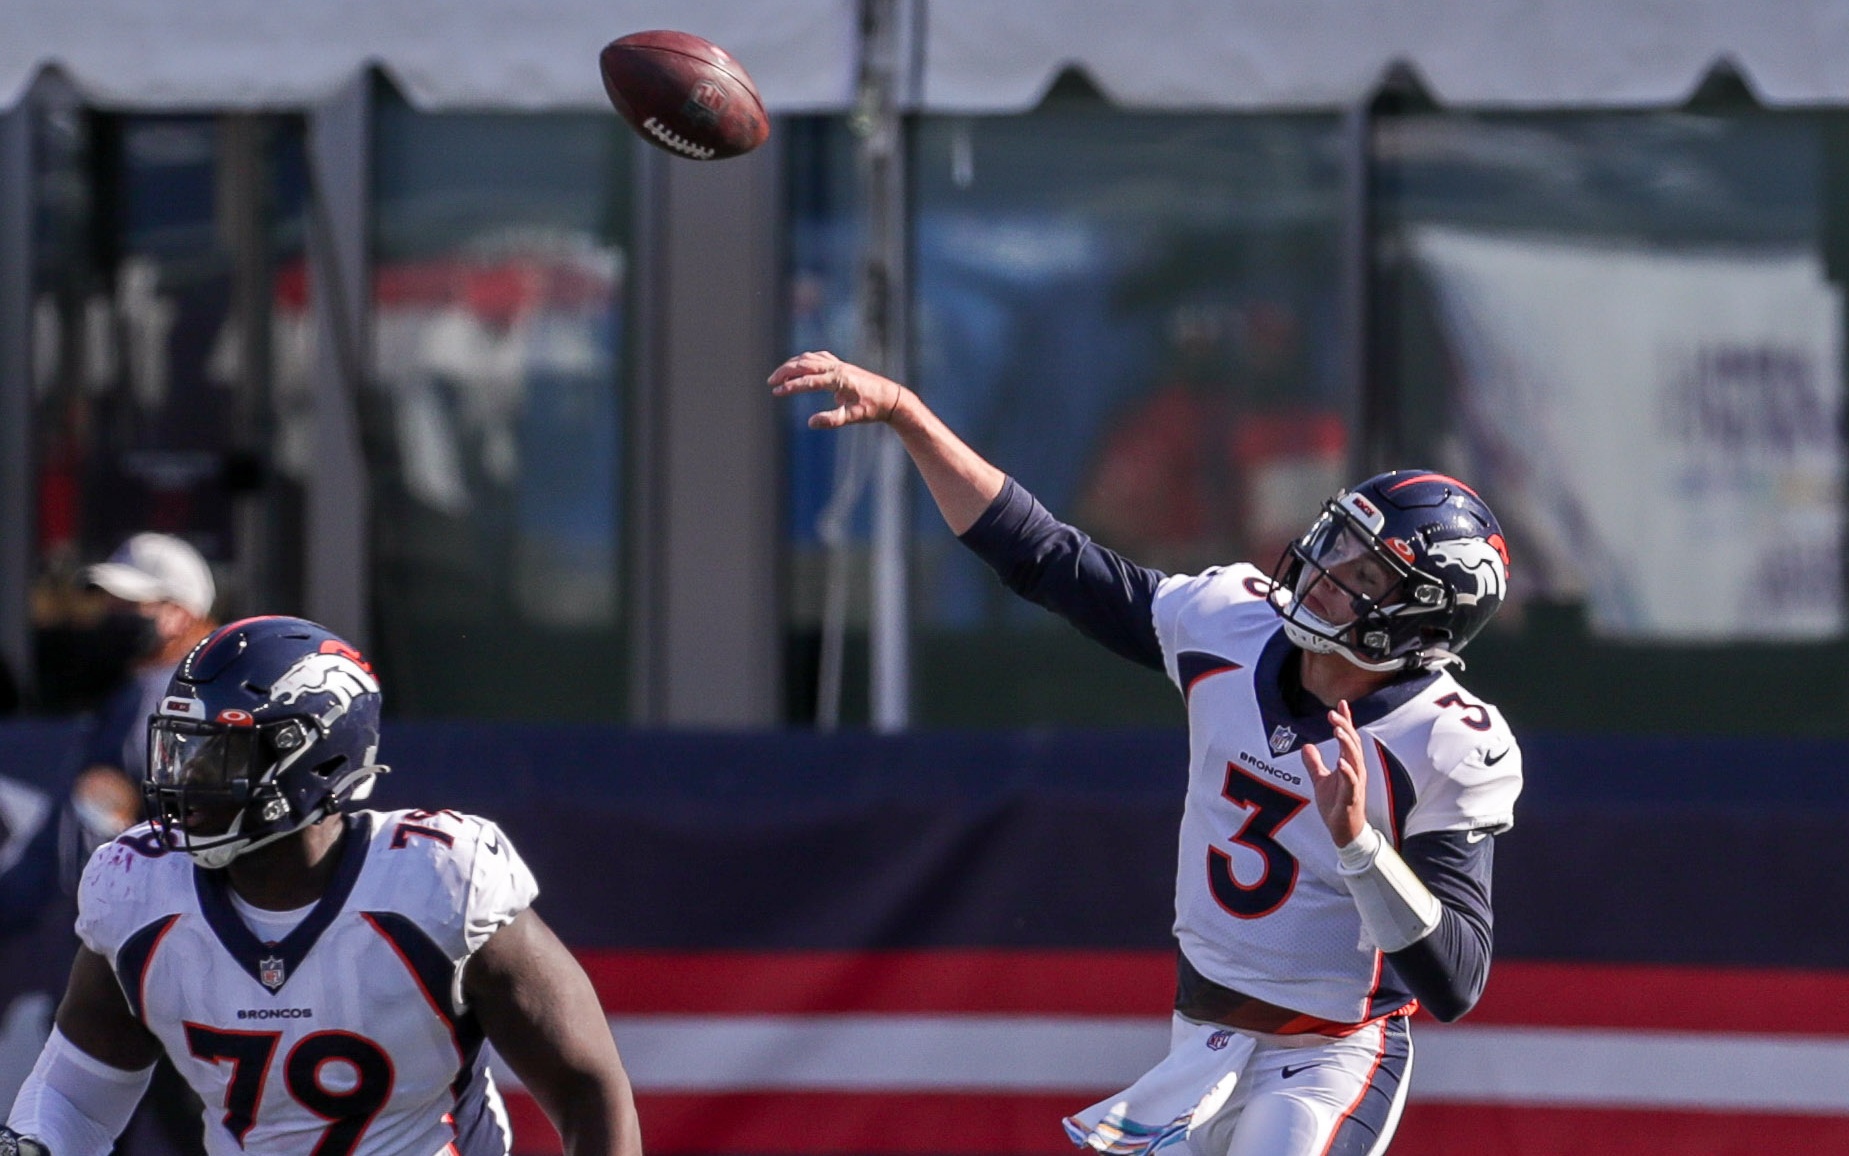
{"x":158,"y":568}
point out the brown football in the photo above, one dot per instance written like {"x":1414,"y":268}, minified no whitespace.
{"x":684,"y":94}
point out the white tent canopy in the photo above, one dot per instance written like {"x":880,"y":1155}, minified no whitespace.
{"x":972,"y":56}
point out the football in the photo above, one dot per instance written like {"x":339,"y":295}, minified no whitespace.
{"x":684,"y":94}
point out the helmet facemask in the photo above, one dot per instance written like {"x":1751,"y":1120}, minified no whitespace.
{"x":1389,"y":608}
{"x":269,"y":725}
{"x":199,"y":771}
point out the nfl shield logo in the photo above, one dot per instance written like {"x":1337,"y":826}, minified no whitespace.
{"x":270,"y":972}
{"x":1282,"y":739}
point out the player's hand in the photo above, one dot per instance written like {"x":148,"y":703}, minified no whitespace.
{"x":1341,"y":791}
{"x":860,"y":394}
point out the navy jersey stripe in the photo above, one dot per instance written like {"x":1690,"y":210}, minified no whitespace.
{"x":1269,"y":678}
{"x":1369,"y":1124}
{"x":478,"y":1133}
{"x":133,"y":958}
{"x":213,"y":890}
{"x":1194,"y":665}
{"x":1400,"y":793}
{"x":477,"y":1124}
{"x":434,"y":972}
{"x":1389,"y":993}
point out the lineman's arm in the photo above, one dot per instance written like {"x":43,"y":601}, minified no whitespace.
{"x":542,"y":1015}
{"x":91,"y":1072}
{"x":962,"y":481}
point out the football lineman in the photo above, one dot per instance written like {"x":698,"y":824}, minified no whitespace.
{"x":324,"y":976}
{"x":1344,"y":790}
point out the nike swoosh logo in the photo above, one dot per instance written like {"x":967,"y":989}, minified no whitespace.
{"x":1288,"y":1072}
{"x":1476,"y":836}
{"x":494,"y":848}
{"x":1492,"y":760}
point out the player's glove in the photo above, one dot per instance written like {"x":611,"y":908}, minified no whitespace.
{"x":13,"y":1144}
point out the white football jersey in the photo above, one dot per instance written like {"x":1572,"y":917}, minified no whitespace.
{"x":350,"y":1035}
{"x":1259,"y":906}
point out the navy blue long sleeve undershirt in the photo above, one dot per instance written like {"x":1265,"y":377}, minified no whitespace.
{"x":1110,"y":600}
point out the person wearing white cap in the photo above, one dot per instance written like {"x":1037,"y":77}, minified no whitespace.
{"x":159,"y":570}
{"x":170,"y":585}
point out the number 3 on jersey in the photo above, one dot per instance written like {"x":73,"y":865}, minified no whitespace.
{"x":1270,"y":809}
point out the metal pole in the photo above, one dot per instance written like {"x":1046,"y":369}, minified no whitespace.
{"x":1366,"y":416}
{"x":17,"y":552}
{"x":647,"y":444}
{"x":339,"y":555}
{"x":243,"y":222}
{"x":878,"y":120}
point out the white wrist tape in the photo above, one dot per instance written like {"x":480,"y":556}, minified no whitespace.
{"x":1396,"y":909}
{"x":74,"y":1103}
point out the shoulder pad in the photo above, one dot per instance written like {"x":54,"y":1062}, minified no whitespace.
{"x":128,"y":881}
{"x":1464,"y":762}
{"x":473,"y":881}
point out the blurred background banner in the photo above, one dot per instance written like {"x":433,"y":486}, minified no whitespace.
{"x":1730,"y":462}
{"x":381,"y":308}
{"x":944,"y":942}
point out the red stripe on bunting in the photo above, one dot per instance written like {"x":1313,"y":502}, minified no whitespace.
{"x":1698,"y":999}
{"x":1134,"y":983}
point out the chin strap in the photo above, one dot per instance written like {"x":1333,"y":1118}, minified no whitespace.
{"x":1437,"y":658}
{"x":1397,"y":910}
{"x":356,"y":785}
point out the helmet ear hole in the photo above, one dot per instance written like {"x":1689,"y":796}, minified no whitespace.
{"x":327,"y":767}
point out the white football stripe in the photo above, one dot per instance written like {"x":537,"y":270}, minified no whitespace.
{"x":1020,"y":1054}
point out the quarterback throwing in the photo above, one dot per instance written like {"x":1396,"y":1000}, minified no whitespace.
{"x":1344,"y":790}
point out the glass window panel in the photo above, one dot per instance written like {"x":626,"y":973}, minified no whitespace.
{"x":1628,"y":330}
{"x":162,"y":245}
{"x":1135,"y":315}
{"x":494,"y":426}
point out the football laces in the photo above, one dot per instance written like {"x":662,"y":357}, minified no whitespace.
{"x":675,"y":141}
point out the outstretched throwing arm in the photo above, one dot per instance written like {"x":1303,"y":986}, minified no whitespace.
{"x":961,"y":481}
{"x":1043,"y":560}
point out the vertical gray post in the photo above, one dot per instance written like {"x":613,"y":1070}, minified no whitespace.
{"x":243,"y":227}
{"x":646,"y":293}
{"x":884,"y":311}
{"x":1357,"y":279}
{"x":337,"y":522}
{"x":706,"y":522}
{"x":16,"y":482}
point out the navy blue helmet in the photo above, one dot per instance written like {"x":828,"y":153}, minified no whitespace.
{"x":1405,"y":568}
{"x":270,"y":724}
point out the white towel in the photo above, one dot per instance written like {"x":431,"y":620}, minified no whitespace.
{"x":1183,"y":1091}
